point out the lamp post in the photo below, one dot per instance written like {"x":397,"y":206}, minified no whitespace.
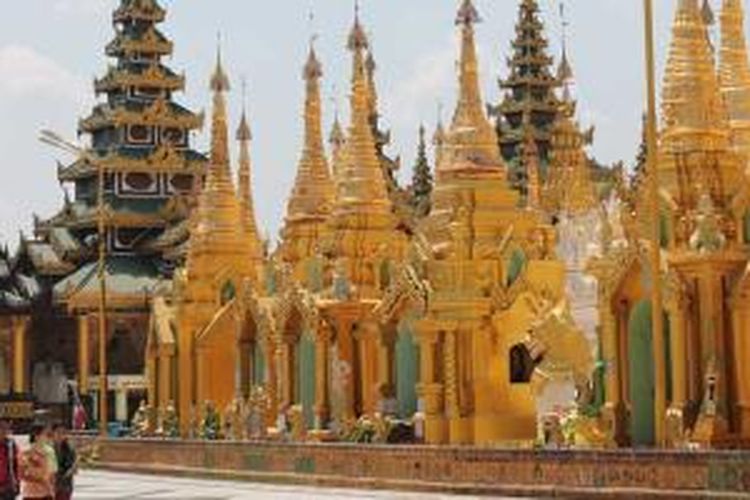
{"x":56,"y":141}
{"x":657,"y":320}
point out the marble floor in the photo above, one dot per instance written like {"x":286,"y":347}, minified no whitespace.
{"x":97,"y":485}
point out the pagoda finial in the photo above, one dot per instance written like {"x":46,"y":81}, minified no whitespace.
{"x":313,"y":191}
{"x":357,"y":36}
{"x":243,"y":131}
{"x":219,"y":123}
{"x":467,"y":14}
{"x":361,"y":183}
{"x":471,"y":137}
{"x":219,"y":79}
{"x":244,"y":181}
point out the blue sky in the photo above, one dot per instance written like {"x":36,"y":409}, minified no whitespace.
{"x":50,"y":51}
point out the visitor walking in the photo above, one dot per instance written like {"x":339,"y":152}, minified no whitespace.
{"x":37,"y":472}
{"x":67,"y":463}
{"x":9,"y":484}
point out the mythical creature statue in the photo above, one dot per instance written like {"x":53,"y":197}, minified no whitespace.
{"x":708,"y":236}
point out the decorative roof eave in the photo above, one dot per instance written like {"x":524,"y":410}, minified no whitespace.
{"x":151,"y":13}
{"x":154,"y":77}
{"x":150,"y":43}
{"x":122,"y":219}
{"x":158,"y":114}
{"x":164,"y":160}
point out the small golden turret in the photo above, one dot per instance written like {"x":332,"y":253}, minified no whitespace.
{"x":361,"y":186}
{"x":312,"y":196}
{"x":570,"y":188}
{"x":471,"y":136}
{"x":216,"y":240}
{"x":337,"y":140}
{"x":691,"y":103}
{"x":244,"y":182}
{"x":734,"y":74}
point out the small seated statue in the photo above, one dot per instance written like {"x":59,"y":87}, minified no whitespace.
{"x":210,"y":428}
{"x":139,"y":425}
{"x":170,"y":423}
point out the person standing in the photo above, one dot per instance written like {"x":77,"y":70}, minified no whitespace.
{"x":67,"y":463}
{"x":9,"y":484}
{"x":37,"y":473}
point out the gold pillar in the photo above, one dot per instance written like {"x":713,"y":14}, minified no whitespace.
{"x":321,"y":377}
{"x":430,"y":390}
{"x":84,"y":354}
{"x":741,"y":321}
{"x":678,"y":350}
{"x":20,"y":382}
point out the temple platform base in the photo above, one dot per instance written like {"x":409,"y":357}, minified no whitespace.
{"x":626,"y":474}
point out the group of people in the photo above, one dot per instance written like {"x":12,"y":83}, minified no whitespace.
{"x":44,"y":471}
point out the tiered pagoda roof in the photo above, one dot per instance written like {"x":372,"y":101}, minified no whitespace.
{"x":529,"y":95}
{"x":140,"y":138}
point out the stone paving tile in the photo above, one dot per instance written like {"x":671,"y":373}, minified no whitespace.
{"x":97,"y":485}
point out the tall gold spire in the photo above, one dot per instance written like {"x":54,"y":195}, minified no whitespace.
{"x":337,"y":140}
{"x":244,"y":183}
{"x":471,"y":136}
{"x":691,"y":103}
{"x":216,"y":239}
{"x":313,"y":192}
{"x":362,"y":185}
{"x":734,"y":74}
{"x":371,"y":66}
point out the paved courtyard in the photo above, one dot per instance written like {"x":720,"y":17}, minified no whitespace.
{"x":95,"y":485}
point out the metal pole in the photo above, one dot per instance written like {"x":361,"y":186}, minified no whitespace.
{"x":657,"y":325}
{"x":102,"y":273}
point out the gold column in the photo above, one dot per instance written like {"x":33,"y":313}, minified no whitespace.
{"x":678,"y":350}
{"x":20,"y":383}
{"x":321,"y":377}
{"x":84,"y":354}
{"x":430,"y":390}
{"x":610,"y":353}
{"x":287,"y":375}
{"x":741,"y":360}
{"x":657,"y":326}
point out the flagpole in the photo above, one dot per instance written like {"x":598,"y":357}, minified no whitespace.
{"x":657,"y":319}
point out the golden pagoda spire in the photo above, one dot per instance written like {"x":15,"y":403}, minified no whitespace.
{"x":371,"y":66}
{"x":216,"y":239}
{"x":337,"y":140}
{"x":361,"y":185}
{"x":244,"y":181}
{"x":313,"y":192}
{"x":571,"y":189}
{"x":734,"y":73}
{"x":471,"y":136}
{"x":691,"y":104}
